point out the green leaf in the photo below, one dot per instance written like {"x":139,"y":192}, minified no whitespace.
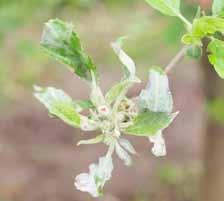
{"x":167,"y":7}
{"x":202,"y":27}
{"x":118,"y":89}
{"x":63,"y":44}
{"x":218,"y":8}
{"x":84,"y":104}
{"x":216,"y":58}
{"x":58,"y":104}
{"x":148,"y":123}
{"x":194,"y":52}
{"x":157,"y":96}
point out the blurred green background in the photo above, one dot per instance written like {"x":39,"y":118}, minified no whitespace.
{"x":39,"y":159}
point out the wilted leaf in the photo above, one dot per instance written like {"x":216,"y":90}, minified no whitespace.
{"x":94,"y":181}
{"x":216,"y":58}
{"x":63,"y":44}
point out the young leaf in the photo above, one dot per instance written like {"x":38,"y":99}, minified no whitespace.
{"x":202,"y":27}
{"x":58,"y":104}
{"x":95,"y":140}
{"x":148,"y":123}
{"x":167,"y":7}
{"x":63,"y":44}
{"x":218,"y":8}
{"x":84,"y":104}
{"x":216,"y":58}
{"x":129,"y":65}
{"x":194,"y":52}
{"x":157,"y":96}
{"x":119,"y":88}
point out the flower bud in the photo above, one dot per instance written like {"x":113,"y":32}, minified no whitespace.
{"x":103,"y":110}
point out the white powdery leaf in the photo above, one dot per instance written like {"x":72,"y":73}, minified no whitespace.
{"x":124,"y":58}
{"x":48,"y":96}
{"x":157,"y":96}
{"x":127,"y":145}
{"x":159,"y":146}
{"x":123,"y":155}
{"x":86,"y":183}
{"x":93,"y":182}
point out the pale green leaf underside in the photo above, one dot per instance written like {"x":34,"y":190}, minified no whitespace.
{"x":202,"y":27}
{"x":167,"y":7}
{"x":95,"y":140}
{"x":63,"y":44}
{"x":128,"y":63}
{"x":58,"y":104}
{"x":218,"y":8}
{"x":149,"y":123}
{"x":216,"y":58}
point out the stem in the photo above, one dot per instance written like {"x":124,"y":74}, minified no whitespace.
{"x":176,"y":59}
{"x":189,"y":25}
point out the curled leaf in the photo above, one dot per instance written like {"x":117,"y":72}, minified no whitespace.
{"x":129,"y":65}
{"x":123,"y":155}
{"x":94,"y":181}
{"x":127,"y":145}
{"x":157,"y":96}
{"x":95,"y":140}
{"x":159,"y":146}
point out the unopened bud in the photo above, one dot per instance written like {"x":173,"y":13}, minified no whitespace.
{"x":104,"y":110}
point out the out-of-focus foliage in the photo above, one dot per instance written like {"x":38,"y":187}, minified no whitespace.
{"x":22,"y":63}
{"x":216,"y":110}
